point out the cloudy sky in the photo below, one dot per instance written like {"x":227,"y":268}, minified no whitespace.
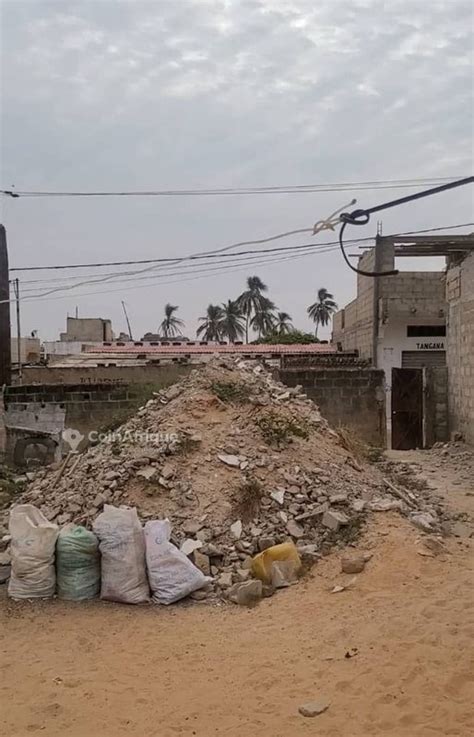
{"x":160,"y":94}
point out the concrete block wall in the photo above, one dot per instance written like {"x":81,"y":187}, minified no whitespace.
{"x":347,"y":397}
{"x":162,"y":375}
{"x":436,"y":405}
{"x":460,"y":347}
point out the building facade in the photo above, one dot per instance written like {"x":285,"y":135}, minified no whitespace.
{"x":460,"y":346}
{"x":87,"y":329}
{"x":398,"y":323}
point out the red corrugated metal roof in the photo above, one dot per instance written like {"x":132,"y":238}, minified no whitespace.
{"x":186,"y":348}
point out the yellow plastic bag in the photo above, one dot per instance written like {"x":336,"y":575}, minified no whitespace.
{"x":262,"y":563}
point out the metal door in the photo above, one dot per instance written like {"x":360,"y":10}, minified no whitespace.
{"x":407,"y":408}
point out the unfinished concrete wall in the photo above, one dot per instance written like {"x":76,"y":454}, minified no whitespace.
{"x":349,"y":397}
{"x":460,"y":347}
{"x":354,"y":328}
{"x":436,"y":423}
{"x":163,"y":375}
{"x":30,"y":350}
{"x":87,"y":329}
{"x":36,"y":415}
{"x":414,"y":294}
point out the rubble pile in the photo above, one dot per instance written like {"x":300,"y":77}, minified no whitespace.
{"x":238,"y":462}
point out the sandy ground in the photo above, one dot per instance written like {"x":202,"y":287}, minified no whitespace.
{"x":103,"y":670}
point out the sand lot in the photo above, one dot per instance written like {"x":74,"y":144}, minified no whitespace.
{"x":102,"y":670}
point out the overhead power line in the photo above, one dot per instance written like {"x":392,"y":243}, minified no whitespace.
{"x":233,"y":191}
{"x":220,"y":254}
{"x":206,"y":273}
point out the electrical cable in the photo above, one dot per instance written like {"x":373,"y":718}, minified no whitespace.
{"x":362,"y":217}
{"x":207,"y":273}
{"x":217,"y":254}
{"x":232,"y":191}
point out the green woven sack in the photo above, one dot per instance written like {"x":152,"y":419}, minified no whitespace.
{"x":77,"y":564}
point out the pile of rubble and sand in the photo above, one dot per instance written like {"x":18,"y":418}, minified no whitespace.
{"x":238,"y":462}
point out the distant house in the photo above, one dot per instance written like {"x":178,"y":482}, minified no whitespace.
{"x":90,"y":329}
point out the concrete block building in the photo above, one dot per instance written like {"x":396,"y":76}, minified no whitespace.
{"x":460,"y":345}
{"x":87,"y":329}
{"x":399,"y":323}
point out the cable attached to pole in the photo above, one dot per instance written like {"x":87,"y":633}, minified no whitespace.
{"x":362,"y":217}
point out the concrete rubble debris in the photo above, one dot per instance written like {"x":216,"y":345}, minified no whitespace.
{"x":354,"y":563}
{"x":278,"y":496}
{"x":189,"y":546}
{"x":247,"y":593}
{"x":333,"y":519}
{"x":313,"y":708}
{"x":424,"y":521}
{"x":239,"y":464}
{"x":230,"y":460}
{"x":148,"y":473}
{"x":236,"y":530}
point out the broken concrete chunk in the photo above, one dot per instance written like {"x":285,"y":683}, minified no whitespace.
{"x":229,"y":460}
{"x":278,"y":496}
{"x":202,"y":562}
{"x":294,"y":529}
{"x":334,"y":520}
{"x":190,"y":545}
{"x":167,"y":472}
{"x":243,"y":574}
{"x":384,"y":505}
{"x":247,"y":593}
{"x":424,"y":521}
{"x":191,"y":527}
{"x":354,"y":563}
{"x":225,"y":580}
{"x":236,"y":530}
{"x":147,"y":472}
{"x":265,"y":542}
{"x":313,"y":708}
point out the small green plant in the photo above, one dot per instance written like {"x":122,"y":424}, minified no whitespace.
{"x":278,"y":429}
{"x":230,"y":392}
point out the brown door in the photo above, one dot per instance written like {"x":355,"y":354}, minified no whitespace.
{"x":407,"y":408}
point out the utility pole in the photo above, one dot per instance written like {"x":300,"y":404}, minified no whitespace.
{"x":128,"y":321}
{"x":5,"y":335}
{"x":16,"y":286}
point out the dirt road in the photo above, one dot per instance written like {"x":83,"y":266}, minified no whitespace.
{"x":107,"y":670}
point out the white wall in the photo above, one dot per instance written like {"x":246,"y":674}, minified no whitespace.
{"x":392,"y":342}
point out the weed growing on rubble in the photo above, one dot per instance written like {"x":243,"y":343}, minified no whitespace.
{"x":231,"y":392}
{"x":247,"y":499}
{"x":278,"y":429}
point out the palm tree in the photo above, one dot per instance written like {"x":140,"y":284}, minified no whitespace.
{"x":170,"y":327}
{"x":321,"y":311}
{"x":283,"y":324}
{"x":211,"y":324}
{"x":263,"y":320}
{"x":232,"y":321}
{"x":249,"y":301}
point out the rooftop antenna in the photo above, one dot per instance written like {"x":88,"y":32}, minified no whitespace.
{"x":128,"y":321}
